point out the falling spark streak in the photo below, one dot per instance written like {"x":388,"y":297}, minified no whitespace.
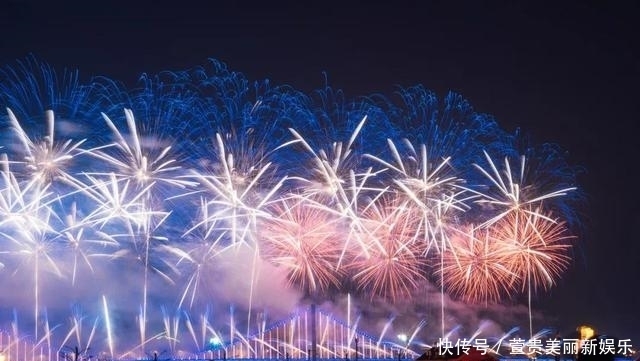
{"x":192,"y":332}
{"x":384,"y":331}
{"x":107,"y":322}
{"x":48,"y":332}
{"x":416,"y":330}
{"x":76,"y":330}
{"x":171,"y":328}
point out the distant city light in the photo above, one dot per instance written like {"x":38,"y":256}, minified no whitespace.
{"x":214,"y":341}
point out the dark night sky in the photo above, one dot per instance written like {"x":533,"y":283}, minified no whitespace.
{"x":566,"y":72}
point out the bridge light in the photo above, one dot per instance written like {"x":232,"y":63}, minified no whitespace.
{"x":215,"y":341}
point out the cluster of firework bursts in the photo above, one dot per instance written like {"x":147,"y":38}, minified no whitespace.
{"x":373,"y":196}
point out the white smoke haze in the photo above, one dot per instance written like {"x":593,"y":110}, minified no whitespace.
{"x":421,"y":314}
{"x":269,"y":285}
{"x":224,"y":299}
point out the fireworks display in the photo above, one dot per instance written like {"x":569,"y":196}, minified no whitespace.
{"x":152,"y":193}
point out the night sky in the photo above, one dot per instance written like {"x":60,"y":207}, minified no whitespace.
{"x":565,"y":72}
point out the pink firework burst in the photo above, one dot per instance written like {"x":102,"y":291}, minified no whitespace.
{"x":475,"y":269}
{"x":306,"y":241}
{"x":535,"y":247}
{"x":394,"y":264}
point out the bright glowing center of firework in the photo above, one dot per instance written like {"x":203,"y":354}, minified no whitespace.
{"x":141,"y":175}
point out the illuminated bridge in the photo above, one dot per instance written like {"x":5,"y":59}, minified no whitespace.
{"x":298,"y":337}
{"x":309,"y":335}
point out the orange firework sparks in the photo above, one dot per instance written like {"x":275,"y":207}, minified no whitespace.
{"x":394,"y":263}
{"x":476,"y":267}
{"x":306,"y":241}
{"x":535,"y":247}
